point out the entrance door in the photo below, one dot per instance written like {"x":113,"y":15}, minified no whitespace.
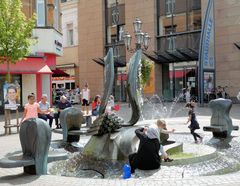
{"x":179,"y":81}
{"x":184,"y":78}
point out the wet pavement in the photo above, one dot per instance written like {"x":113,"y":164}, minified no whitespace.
{"x":226,"y":163}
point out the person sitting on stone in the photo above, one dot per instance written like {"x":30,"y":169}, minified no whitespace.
{"x":147,"y":156}
{"x":64,"y":103}
{"x":45,"y":111}
{"x":96,"y":105}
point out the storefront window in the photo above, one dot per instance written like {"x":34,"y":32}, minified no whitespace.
{"x":177,"y":77}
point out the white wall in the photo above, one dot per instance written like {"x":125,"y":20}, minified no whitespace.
{"x":48,"y":41}
{"x":46,"y":85}
{"x":28,"y":86}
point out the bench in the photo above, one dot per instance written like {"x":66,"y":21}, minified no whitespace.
{"x":221,"y":123}
{"x":35,"y":138}
{"x":8,"y":126}
{"x":219,"y":131}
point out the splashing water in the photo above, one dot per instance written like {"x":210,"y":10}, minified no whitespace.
{"x":156,"y":107}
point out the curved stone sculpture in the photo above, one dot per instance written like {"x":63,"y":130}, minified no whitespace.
{"x":115,"y":146}
{"x":132,"y":87}
{"x":221,"y":123}
{"x":71,"y":119}
{"x":35,"y":137}
{"x":109,"y":79}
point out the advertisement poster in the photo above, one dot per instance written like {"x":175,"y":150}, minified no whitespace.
{"x":11,"y":94}
{"x":208,"y":82}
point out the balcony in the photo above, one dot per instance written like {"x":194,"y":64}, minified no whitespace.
{"x":48,"y":41}
{"x":177,"y":47}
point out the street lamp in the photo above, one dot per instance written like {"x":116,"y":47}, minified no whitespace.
{"x":140,"y":37}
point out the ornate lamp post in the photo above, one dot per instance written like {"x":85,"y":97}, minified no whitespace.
{"x":142,"y":39}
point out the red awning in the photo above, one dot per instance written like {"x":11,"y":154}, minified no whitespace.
{"x":28,"y":66}
{"x":59,"y":73}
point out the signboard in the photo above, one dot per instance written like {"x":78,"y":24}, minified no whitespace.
{"x":11,"y":94}
{"x":207,"y":50}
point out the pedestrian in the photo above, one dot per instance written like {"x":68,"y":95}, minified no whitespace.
{"x":31,"y":109}
{"x":187,"y":96}
{"x":147,"y":156}
{"x":110,"y":105}
{"x":63,"y":103}
{"x":45,"y":111}
{"x":194,"y":125}
{"x":96,"y":105}
{"x":77,"y":97}
{"x":161,"y":125}
{"x":85,"y":98}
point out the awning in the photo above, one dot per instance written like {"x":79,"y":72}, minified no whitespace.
{"x":28,"y":66}
{"x":117,"y":62}
{"x":173,"y":56}
{"x":71,"y":65}
{"x":59,"y":73}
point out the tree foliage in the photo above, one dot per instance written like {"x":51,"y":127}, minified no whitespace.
{"x":15,"y":32}
{"x":146,"y":68}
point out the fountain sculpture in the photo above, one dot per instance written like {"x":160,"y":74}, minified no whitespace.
{"x":221,"y":123}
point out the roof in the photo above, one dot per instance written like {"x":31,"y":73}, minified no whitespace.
{"x":27,"y":66}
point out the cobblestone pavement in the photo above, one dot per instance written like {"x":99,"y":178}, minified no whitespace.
{"x":171,"y":175}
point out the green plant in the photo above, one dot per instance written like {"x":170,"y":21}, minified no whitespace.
{"x":146,"y":68}
{"x":15,"y":34}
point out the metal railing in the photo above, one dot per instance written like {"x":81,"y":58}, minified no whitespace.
{"x":190,"y":40}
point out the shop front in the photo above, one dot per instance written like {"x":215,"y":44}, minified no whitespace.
{"x":177,"y":77}
{"x":32,"y":75}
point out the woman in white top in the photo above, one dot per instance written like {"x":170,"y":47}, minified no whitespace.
{"x":85,"y":98}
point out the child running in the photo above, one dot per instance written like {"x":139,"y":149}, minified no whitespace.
{"x":31,"y":109}
{"x":194,"y":125}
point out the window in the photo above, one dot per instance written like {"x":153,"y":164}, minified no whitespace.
{"x":115,"y":14}
{"x":170,"y":29}
{"x":170,"y":7}
{"x":171,"y":42}
{"x":120,"y":32}
{"x":116,"y":52}
{"x":40,"y":13}
{"x":56,"y":14}
{"x":67,"y":86}
{"x":70,"y":41}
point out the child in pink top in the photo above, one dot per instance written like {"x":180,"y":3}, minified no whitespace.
{"x":31,"y":109}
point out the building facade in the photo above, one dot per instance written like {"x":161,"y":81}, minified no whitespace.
{"x":33,"y":75}
{"x":69,"y":61}
{"x":175,"y":27}
{"x":227,"y":42}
